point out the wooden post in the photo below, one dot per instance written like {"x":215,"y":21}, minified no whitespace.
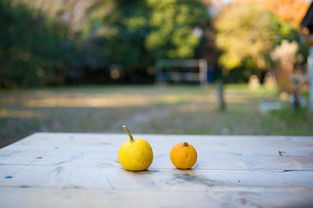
{"x":310,"y":72}
{"x":203,"y":67}
{"x":159,"y":77}
{"x":220,"y":96}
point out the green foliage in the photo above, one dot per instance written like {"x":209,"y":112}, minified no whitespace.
{"x":248,"y":34}
{"x":62,"y":41}
{"x":121,"y":31}
{"x":31,"y":47}
{"x":139,"y":32}
{"x":174,"y":27}
{"x":41,"y":45}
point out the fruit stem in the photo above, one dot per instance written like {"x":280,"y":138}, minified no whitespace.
{"x":129,"y":134}
{"x":185,"y":144}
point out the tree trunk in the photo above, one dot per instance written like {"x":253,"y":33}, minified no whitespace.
{"x":220,"y":96}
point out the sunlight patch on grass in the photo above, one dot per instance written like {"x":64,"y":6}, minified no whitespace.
{"x":112,"y":101}
{"x":147,"y":109}
{"x":4,"y":113}
{"x":95,"y":102}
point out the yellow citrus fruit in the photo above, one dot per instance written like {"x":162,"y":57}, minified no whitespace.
{"x":183,"y":155}
{"x":135,"y":154}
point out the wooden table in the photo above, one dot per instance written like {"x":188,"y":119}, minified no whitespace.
{"x":80,"y":170}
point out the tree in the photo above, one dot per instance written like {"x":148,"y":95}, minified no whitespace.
{"x":175,"y":27}
{"x":289,"y":11}
{"x":53,"y":41}
{"x":139,"y":32}
{"x":72,"y":13}
{"x":247,"y":34}
{"x":32,"y":47}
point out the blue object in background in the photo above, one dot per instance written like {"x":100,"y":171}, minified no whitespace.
{"x":209,"y":75}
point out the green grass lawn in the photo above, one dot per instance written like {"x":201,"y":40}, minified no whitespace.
{"x":145,"y":109}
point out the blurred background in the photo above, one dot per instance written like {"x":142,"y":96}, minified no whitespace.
{"x":158,"y":66}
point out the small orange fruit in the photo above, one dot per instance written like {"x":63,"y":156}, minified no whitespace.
{"x":183,"y":155}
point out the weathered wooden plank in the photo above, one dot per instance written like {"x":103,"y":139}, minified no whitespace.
{"x":81,"y":170}
{"x":75,"y":197}
{"x":160,"y":179}
{"x":215,"y":152}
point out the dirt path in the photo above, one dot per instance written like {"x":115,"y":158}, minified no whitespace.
{"x":134,"y":122}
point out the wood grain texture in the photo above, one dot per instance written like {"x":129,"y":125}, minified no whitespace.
{"x":81,"y":170}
